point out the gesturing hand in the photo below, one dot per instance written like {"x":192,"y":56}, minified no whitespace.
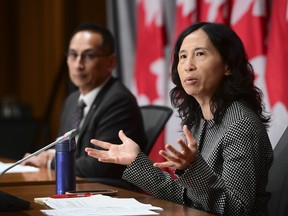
{"x":123,"y":154}
{"x":176,"y":159}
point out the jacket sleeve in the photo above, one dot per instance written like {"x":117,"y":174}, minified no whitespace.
{"x":153,"y":180}
{"x":243,"y":166}
{"x":237,"y":189}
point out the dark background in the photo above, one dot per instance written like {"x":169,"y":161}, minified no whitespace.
{"x":33,"y":40}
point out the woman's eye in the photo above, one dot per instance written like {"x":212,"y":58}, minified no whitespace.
{"x":182,"y":56}
{"x":199,"y":53}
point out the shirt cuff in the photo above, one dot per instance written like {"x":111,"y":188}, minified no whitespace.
{"x":50,"y":159}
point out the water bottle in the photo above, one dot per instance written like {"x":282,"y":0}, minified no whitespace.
{"x":65,"y":166}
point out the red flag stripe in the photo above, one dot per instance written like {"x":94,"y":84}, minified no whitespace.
{"x":150,"y":72}
{"x":277,"y":61}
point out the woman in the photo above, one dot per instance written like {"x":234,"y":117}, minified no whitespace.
{"x":224,"y":167}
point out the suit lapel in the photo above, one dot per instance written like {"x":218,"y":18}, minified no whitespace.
{"x":96,"y":105}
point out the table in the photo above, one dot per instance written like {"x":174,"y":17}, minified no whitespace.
{"x":43,"y":176}
{"x":29,"y":192}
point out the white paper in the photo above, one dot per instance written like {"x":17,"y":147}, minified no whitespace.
{"x":108,"y":211}
{"x":98,"y":205}
{"x":17,"y":168}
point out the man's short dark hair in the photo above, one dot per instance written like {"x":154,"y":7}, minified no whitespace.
{"x":108,"y":45}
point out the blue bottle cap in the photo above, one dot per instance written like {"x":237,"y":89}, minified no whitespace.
{"x":66,"y":145}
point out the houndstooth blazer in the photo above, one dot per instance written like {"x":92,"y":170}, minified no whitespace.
{"x":229,"y":174}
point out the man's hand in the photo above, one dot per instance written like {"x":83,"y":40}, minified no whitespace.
{"x":42,"y":160}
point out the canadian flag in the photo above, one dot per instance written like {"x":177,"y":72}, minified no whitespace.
{"x":249,"y":19}
{"x":151,"y":73}
{"x":276,"y":75}
{"x":185,"y":15}
{"x":213,"y":11}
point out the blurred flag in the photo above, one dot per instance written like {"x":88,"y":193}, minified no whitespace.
{"x":185,"y":15}
{"x":213,"y":11}
{"x":249,"y":19}
{"x":277,"y":63}
{"x":151,"y":73}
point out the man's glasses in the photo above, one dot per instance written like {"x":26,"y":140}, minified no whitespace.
{"x":86,"y":56}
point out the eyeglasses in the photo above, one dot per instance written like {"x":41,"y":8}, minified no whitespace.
{"x":86,"y":56}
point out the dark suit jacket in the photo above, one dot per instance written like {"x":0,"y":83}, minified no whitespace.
{"x":113,"y":109}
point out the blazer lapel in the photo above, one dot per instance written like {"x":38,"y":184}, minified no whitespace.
{"x":96,"y":105}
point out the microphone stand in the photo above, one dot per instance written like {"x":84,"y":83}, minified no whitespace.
{"x":67,"y":135}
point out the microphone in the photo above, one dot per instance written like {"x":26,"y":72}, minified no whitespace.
{"x":66,"y":136}
{"x":12,"y":203}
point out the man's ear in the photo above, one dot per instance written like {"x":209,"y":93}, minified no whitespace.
{"x":112,"y":62}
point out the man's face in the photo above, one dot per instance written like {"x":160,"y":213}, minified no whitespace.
{"x":88,"y":66}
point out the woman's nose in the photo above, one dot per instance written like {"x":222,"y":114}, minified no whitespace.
{"x":190,"y":65}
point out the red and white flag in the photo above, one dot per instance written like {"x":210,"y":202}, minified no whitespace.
{"x":151,"y":73}
{"x":213,"y":11}
{"x":249,"y":20}
{"x":185,"y":15}
{"x":277,"y":63}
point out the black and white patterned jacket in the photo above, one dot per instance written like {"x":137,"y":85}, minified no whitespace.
{"x":229,"y":174}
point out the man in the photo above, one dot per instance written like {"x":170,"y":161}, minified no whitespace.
{"x":109,"y":105}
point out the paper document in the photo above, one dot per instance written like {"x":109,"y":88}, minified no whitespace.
{"x":98,"y":205}
{"x":17,"y":168}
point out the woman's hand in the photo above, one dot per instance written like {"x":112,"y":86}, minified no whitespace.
{"x":176,"y":159}
{"x":123,"y":154}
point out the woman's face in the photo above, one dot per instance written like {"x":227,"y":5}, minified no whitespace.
{"x":200,"y":66}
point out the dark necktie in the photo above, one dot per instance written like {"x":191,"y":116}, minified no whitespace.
{"x":78,"y":114}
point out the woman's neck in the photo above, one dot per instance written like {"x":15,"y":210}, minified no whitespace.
{"x":206,"y":110}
